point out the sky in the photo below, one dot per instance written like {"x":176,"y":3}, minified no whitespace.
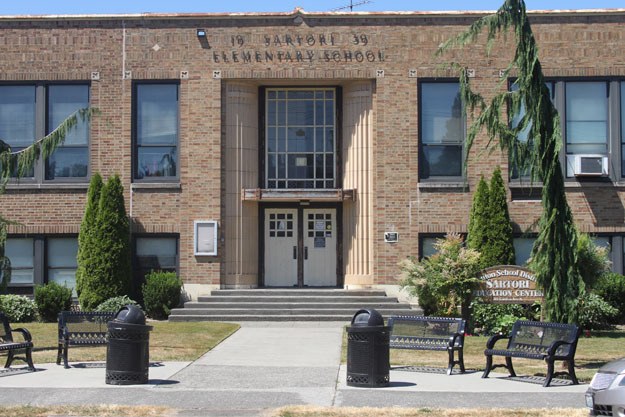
{"x":38,"y":7}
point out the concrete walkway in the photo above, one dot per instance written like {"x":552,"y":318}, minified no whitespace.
{"x":268,"y":365}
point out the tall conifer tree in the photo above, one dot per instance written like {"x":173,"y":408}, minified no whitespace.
{"x":478,"y":219}
{"x":87,"y":235}
{"x":499,"y":247}
{"x":553,"y":254}
{"x":109,"y":272}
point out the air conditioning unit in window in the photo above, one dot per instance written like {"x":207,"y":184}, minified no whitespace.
{"x":588,"y":165}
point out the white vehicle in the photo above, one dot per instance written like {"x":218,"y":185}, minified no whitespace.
{"x":606,"y":394}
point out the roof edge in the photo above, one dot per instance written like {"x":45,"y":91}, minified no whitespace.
{"x":299,"y":11}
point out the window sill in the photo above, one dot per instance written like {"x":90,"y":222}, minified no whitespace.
{"x":49,"y":186}
{"x":444,"y":185}
{"x":155,"y":186}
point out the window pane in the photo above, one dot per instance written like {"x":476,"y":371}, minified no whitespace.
{"x":68,"y":162}
{"x":156,"y":252}
{"x":523,"y":249}
{"x":441,"y":113}
{"x":301,"y":113}
{"x":20,"y":252}
{"x":64,"y":277}
{"x":586,"y":116}
{"x":63,"y":101}
{"x":62,"y":252}
{"x":427,"y":246}
{"x":441,"y":161}
{"x":17,"y":115}
{"x":623,"y":129}
{"x":156,"y":162}
{"x":157,"y":114}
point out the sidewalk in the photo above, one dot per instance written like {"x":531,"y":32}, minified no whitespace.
{"x":268,"y":365}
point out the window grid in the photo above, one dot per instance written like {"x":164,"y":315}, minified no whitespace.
{"x":300,"y":113}
{"x":281,"y":225}
{"x":441,"y":129}
{"x":156,"y":131}
{"x":319,"y":225}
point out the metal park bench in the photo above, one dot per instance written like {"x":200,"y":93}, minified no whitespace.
{"x":12,"y":347}
{"x":429,"y":333}
{"x":77,"y":328}
{"x":536,"y":340}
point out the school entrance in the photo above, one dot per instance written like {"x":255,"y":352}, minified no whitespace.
{"x":300,"y":246}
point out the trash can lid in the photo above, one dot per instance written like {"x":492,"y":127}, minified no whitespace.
{"x":130,"y":314}
{"x":367,"y":317}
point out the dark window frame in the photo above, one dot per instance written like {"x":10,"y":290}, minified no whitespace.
{"x":41,"y":130}
{"x":421,"y":159}
{"x":135,"y":129}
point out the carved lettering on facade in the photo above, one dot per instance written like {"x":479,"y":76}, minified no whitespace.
{"x":296,"y":48}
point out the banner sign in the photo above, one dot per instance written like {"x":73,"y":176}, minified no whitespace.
{"x":508,"y":284}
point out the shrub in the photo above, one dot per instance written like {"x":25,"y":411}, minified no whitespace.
{"x":115,"y":304}
{"x":108,"y":272}
{"x":450,"y":276}
{"x":611,"y":287}
{"x":595,"y":313}
{"x":496,"y":318}
{"x":51,"y":299}
{"x":17,"y":308}
{"x":161,"y":293}
{"x":592,"y":260}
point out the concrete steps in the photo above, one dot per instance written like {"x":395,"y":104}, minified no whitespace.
{"x":288,"y":305}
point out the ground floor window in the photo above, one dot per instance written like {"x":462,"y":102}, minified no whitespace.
{"x":153,"y":253}
{"x":61,"y":264}
{"x":42,"y":259}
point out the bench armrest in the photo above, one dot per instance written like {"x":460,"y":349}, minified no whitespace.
{"x":452,"y":340}
{"x":551,"y":351}
{"x":25,"y":334}
{"x":493,"y":339}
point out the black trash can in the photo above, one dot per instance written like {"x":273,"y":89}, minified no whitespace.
{"x":368,"y":350}
{"x":128,"y":348}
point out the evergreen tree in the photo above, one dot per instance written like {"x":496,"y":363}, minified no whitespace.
{"x":553,"y":256}
{"x":86,"y":236}
{"x":109,"y":272}
{"x":498,"y":248}
{"x":478,"y":219}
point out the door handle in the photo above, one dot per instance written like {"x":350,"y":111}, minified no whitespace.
{"x":294,"y":252}
{"x":305,"y":252}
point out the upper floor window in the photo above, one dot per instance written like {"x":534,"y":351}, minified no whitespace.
{"x":442,"y":130}
{"x":156,"y":131}
{"x":586,"y":117}
{"x":622,"y":91}
{"x":300,"y":138}
{"x":30,"y":112}
{"x":71,"y":159}
{"x":523,"y":136}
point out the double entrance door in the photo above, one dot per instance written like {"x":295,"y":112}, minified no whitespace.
{"x":300,"y":247}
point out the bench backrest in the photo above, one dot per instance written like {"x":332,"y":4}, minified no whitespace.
{"x":83,"y":323}
{"x":536,"y":336}
{"x":5,"y":330}
{"x":413,"y":328}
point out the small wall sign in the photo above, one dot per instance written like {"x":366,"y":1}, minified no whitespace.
{"x":391,"y":237}
{"x":508,"y":284}
{"x":205,"y":238}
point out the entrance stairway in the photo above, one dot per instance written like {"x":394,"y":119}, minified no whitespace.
{"x":288,"y":305}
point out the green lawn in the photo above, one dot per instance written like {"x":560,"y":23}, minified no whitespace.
{"x":168,"y":341}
